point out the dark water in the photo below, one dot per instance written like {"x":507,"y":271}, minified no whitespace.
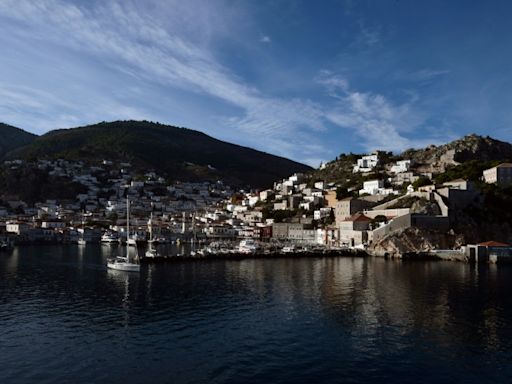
{"x":64,"y":318}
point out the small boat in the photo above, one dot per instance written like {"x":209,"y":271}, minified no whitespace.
{"x":151,"y":253}
{"x":109,"y":238}
{"x":121,"y":263}
{"x":248,"y":246}
{"x":290,"y":249}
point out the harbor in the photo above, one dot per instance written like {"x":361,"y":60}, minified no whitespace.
{"x":282,"y":319}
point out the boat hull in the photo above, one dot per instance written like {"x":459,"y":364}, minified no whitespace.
{"x":122,"y":266}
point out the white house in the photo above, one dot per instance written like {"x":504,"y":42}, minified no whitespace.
{"x":500,"y":175}
{"x":366,"y":163}
{"x":401,"y":166}
{"x":372,"y":187}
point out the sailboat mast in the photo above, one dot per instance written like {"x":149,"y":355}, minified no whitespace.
{"x":151,"y":226}
{"x":127,"y":228}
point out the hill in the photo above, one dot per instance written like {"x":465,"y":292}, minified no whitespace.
{"x":179,"y":153}
{"x":437,"y":159}
{"x":12,"y":138}
{"x":465,"y":158}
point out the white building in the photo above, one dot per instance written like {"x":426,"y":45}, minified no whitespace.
{"x":401,"y":166}
{"x":366,"y":163}
{"x":372,"y":187}
{"x":17,"y":228}
{"x":500,"y":175}
{"x":322,"y":213}
{"x":376,"y":187}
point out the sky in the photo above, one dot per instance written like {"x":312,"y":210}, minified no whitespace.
{"x":306,"y":80}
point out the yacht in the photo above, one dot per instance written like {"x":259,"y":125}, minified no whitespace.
{"x":109,"y":238}
{"x":121,"y":263}
{"x":248,"y":246}
{"x":289,"y":249}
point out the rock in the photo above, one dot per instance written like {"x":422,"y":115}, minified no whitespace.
{"x":414,"y":240}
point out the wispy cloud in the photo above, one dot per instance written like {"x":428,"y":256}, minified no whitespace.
{"x":265,"y":39}
{"x":427,"y":74}
{"x":128,"y":38}
{"x":378,"y":122}
{"x":161,"y":47}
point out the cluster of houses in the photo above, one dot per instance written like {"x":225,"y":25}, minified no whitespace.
{"x":296,"y":210}
{"x":103,"y":204}
{"x":321,"y":219}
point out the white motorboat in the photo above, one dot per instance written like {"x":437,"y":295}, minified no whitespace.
{"x":248,"y":246}
{"x":109,"y":238}
{"x":151,"y":253}
{"x":121,"y":263}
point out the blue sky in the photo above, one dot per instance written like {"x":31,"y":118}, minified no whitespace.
{"x":302,"y":79}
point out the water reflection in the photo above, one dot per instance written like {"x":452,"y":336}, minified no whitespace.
{"x":312,"y":316}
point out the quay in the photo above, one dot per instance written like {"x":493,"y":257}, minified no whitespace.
{"x":234,"y":255}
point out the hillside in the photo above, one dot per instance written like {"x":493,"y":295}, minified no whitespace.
{"x":465,"y":158}
{"x":12,"y":138}
{"x":180,"y":153}
{"x":437,"y":159}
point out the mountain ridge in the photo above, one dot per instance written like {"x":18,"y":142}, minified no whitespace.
{"x":181,"y":153}
{"x":12,"y":138}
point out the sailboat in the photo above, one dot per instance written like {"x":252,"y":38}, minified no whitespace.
{"x":151,"y":252}
{"x":121,"y":263}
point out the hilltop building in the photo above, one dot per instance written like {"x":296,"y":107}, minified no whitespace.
{"x":367,"y":163}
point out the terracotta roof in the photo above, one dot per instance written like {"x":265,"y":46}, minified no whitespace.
{"x":358,"y":217}
{"x":494,"y":244}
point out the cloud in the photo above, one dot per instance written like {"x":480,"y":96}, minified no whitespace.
{"x":28,"y":107}
{"x":427,"y":74}
{"x":265,"y":39}
{"x":128,"y":39}
{"x":379,"y":123}
{"x":153,"y":46}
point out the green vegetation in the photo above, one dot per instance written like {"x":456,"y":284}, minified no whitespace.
{"x":177,"y":153}
{"x":377,"y":220}
{"x":12,"y":138}
{"x":496,"y":206}
{"x":422,"y":181}
{"x":34,"y":185}
{"x":470,"y":170}
{"x":279,"y":215}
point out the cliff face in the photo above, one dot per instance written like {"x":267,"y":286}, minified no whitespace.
{"x":437,"y":159}
{"x":415,"y":240}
